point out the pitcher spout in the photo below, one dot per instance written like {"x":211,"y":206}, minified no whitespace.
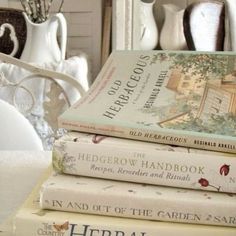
{"x":171,"y":8}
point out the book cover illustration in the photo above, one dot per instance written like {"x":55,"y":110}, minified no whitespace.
{"x":181,"y":94}
{"x":100,"y":156}
{"x":31,"y":220}
{"x":205,"y":94}
{"x":131,"y":200}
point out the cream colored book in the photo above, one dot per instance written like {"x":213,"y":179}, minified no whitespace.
{"x":139,"y":201}
{"x":105,"y":157}
{"x":179,"y":98}
{"x":31,"y":220}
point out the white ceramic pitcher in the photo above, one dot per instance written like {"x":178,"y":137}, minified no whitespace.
{"x":41,"y":44}
{"x":231,"y":30}
{"x":149,"y":30}
{"x":172,"y":33}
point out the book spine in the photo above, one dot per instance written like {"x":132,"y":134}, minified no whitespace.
{"x":143,"y":164}
{"x":172,"y":137}
{"x":31,"y":220}
{"x":158,"y":205}
{"x":60,"y":224}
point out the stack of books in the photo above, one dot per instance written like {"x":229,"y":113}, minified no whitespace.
{"x":151,"y":152}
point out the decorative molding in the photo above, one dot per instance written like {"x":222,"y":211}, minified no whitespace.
{"x":122,"y":24}
{"x":118,"y":24}
{"x":38,"y":71}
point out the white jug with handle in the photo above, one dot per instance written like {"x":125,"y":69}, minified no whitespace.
{"x":172,"y":33}
{"x":41,"y":44}
{"x":42,"y":48}
{"x":149,"y":30}
{"x":231,"y":29}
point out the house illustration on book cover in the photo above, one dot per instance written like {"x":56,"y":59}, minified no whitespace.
{"x":178,"y":98}
{"x":209,"y":98}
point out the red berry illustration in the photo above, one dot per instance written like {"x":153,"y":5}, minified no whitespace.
{"x":97,"y":138}
{"x":203,"y":182}
{"x":224,"y":170}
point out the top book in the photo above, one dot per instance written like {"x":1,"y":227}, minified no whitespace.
{"x":178,"y":98}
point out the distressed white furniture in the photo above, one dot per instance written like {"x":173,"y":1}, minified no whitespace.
{"x":43,"y":105}
{"x":84,"y":20}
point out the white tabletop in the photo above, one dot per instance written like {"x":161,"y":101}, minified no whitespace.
{"x":19,"y":172}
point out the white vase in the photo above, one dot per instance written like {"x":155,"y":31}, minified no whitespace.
{"x":41,"y":43}
{"x":231,"y":31}
{"x":172,"y":33}
{"x":149,"y":30}
{"x":41,"y":48}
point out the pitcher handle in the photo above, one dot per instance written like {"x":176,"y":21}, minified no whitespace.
{"x":12,"y":36}
{"x":63,"y":30}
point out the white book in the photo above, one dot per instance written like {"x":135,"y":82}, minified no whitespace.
{"x":139,"y":201}
{"x":31,"y":220}
{"x":179,"y":98}
{"x":105,"y":157}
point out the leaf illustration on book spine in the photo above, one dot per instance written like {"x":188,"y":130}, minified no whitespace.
{"x":57,"y":161}
{"x":61,"y":160}
{"x":97,"y":138}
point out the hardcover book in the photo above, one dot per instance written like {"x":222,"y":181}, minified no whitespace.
{"x":31,"y":220}
{"x":179,"y":98}
{"x":139,"y":201}
{"x":114,"y":158}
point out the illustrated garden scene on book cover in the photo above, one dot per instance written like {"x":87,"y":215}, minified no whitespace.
{"x":179,"y":98}
{"x":149,"y":146}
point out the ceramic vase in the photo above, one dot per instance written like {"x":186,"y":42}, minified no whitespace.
{"x":149,"y":30}
{"x":42,"y":48}
{"x":172,"y":33}
{"x":41,"y":44}
{"x":231,"y":29}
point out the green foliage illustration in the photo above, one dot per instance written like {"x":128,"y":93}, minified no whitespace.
{"x":216,"y":124}
{"x":204,"y":65}
{"x":57,"y":161}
